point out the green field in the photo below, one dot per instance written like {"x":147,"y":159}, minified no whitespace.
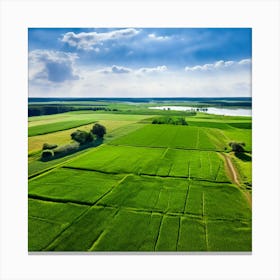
{"x":153,"y":161}
{"x":47,"y":124}
{"x":145,"y":188}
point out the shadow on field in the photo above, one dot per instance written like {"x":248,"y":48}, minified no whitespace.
{"x":70,"y":149}
{"x":243,"y":156}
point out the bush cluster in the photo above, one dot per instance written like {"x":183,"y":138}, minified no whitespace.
{"x":237,"y":147}
{"x":47,"y":146}
{"x":170,"y":120}
{"x":83,"y":138}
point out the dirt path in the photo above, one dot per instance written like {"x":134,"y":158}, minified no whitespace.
{"x":234,"y":177}
{"x":231,"y":170}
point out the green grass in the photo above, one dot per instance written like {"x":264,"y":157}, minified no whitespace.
{"x":46,"y":220}
{"x":83,"y":187}
{"x":244,"y":167}
{"x":149,"y":187}
{"x":85,"y":231}
{"x":47,"y":124}
{"x":229,"y":236}
{"x":154,"y":161}
{"x":192,"y":235}
{"x":129,"y":231}
{"x":151,"y":194}
{"x":168,"y":136}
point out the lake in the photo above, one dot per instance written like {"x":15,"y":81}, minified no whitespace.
{"x":210,"y":110}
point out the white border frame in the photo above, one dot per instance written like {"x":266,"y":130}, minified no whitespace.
{"x":262,"y":16}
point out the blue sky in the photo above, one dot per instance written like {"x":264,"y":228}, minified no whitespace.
{"x":137,"y":62}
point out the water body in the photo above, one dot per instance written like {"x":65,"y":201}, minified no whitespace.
{"x":210,"y":110}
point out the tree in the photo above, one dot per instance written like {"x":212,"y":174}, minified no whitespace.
{"x":82,"y":137}
{"x":237,"y":147}
{"x":47,"y":146}
{"x":99,"y":130}
{"x":47,"y":154}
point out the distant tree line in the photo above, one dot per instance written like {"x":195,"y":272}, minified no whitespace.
{"x":170,"y":120}
{"x":82,"y":138}
{"x":40,"y":110}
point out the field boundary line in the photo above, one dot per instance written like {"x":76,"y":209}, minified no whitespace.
{"x":204,"y":218}
{"x":186,"y":198}
{"x":47,"y":220}
{"x":178,"y":235}
{"x":59,"y":200}
{"x":109,"y":191}
{"x":159,"y":229}
{"x":145,"y":211}
{"x":164,"y":147}
{"x":164,"y":153}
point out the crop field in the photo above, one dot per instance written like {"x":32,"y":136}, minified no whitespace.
{"x":153,"y":161}
{"x":102,"y":212}
{"x":36,"y":142}
{"x":147,"y":187}
{"x":46,"y":124}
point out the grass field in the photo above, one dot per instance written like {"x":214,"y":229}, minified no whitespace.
{"x":131,"y":213}
{"x":146,"y":188}
{"x":154,"y":161}
{"x":47,"y":124}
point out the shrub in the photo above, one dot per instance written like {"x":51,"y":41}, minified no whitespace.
{"x":170,"y":120}
{"x":82,"y":137}
{"x":99,"y":130}
{"x":47,"y":146}
{"x":47,"y":154}
{"x":237,"y":147}
{"x":66,"y":149}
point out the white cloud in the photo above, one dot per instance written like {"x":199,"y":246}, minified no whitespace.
{"x":51,"y":66}
{"x":88,"y":40}
{"x":157,"y":69}
{"x":115,"y":70}
{"x":221,"y":64}
{"x":245,"y":62}
{"x":123,"y":70}
{"x":159,"y":38}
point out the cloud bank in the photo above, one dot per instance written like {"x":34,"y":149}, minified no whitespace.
{"x":88,"y":40}
{"x":52,"y":66}
{"x":221,"y":64}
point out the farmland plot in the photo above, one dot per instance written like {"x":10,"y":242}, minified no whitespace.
{"x":47,"y":124}
{"x":139,"y":213}
{"x":82,"y":187}
{"x":154,"y":161}
{"x":173,"y":136}
{"x":158,"y":188}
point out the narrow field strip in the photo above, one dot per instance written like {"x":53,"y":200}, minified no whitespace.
{"x":138,"y":210}
{"x":164,"y":147}
{"x":146,"y":174}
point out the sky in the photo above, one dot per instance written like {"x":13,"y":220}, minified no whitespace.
{"x":139,"y":62}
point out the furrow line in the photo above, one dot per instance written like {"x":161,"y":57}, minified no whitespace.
{"x":186,"y":199}
{"x":159,"y":229}
{"x":178,"y":235}
{"x":109,"y":191}
{"x":205,"y":222}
